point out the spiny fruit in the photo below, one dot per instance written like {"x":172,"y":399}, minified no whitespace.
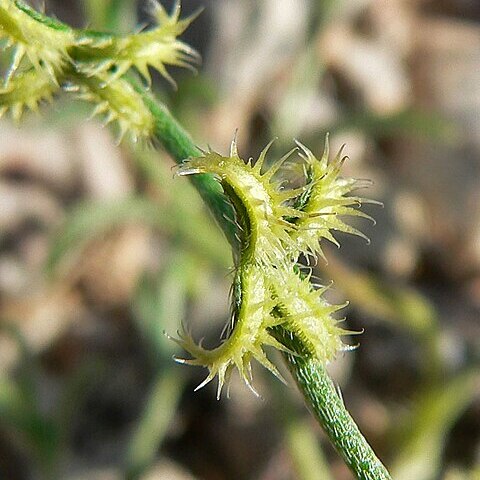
{"x":276,"y":225}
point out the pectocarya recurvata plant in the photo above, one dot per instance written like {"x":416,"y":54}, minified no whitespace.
{"x":276,"y":225}
{"x":271,"y":225}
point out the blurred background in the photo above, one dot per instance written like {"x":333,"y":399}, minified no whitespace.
{"x":102,"y":250}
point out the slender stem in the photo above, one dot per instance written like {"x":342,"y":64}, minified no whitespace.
{"x":317,"y":387}
{"x":327,"y":405}
{"x":178,"y":143}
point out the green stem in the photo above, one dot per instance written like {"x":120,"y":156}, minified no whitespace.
{"x":326,"y":404}
{"x":311,"y":377}
{"x":178,"y":143}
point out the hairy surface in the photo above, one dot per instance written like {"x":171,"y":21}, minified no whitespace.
{"x":48,"y":57}
{"x":276,"y":225}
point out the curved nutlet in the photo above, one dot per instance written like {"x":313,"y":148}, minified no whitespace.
{"x":117,"y":101}
{"x":275,"y":226}
{"x":328,"y":202}
{"x":26,"y":91}
{"x":52,"y":55}
{"x":259,"y":199}
{"x":155,"y":48}
{"x":246,"y":342}
{"x":45,"y":46}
